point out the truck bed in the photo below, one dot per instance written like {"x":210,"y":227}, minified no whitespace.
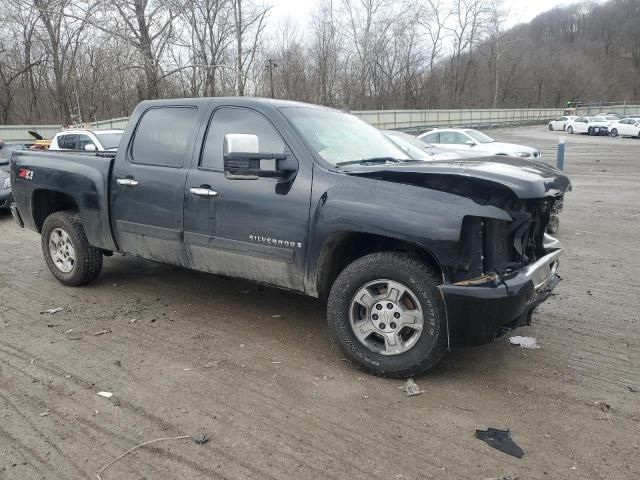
{"x":66,"y":176}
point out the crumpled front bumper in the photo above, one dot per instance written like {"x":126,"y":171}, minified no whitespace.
{"x":481,"y":310}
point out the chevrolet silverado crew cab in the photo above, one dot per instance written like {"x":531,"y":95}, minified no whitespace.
{"x":413,"y":256}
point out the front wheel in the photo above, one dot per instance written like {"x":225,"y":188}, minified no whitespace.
{"x":614,"y":132}
{"x":386,"y":315}
{"x":69,"y":256}
{"x":590,"y":131}
{"x":550,"y":128}
{"x":570,"y":130}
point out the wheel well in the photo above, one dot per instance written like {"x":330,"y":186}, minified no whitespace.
{"x":46,"y":202}
{"x":344,"y":248}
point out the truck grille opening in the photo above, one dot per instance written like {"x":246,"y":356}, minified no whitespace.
{"x":496,"y":246}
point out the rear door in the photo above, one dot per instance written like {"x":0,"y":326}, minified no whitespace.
{"x":622,"y":126}
{"x":147,"y":185}
{"x":455,"y":140}
{"x":249,"y":228}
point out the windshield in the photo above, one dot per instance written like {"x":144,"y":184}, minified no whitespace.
{"x":479,"y":136}
{"x":339,"y":137}
{"x":109,"y":140}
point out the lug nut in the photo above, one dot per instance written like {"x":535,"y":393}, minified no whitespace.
{"x":374,"y":316}
{"x":392,"y":324}
{"x":389,"y":306}
{"x":378,"y":307}
{"x":397,"y":315}
{"x":382,"y":326}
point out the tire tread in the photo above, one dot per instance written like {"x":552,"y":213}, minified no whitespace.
{"x":90,"y":264}
{"x":408,"y":262}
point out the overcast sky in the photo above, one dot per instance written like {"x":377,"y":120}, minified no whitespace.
{"x":519,"y":10}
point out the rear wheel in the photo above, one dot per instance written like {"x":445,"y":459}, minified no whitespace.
{"x":69,"y":256}
{"x":590,"y":131}
{"x":386,"y":315}
{"x":614,"y":132}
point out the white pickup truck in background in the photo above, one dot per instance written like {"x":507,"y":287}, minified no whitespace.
{"x":89,"y":140}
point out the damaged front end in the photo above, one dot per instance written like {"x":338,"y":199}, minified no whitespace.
{"x":505,"y":270}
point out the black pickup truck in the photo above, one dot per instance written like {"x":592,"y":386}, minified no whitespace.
{"x":413,"y":257}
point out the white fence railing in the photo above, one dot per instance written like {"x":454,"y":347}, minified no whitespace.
{"x":411,"y":120}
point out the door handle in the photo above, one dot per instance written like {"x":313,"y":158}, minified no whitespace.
{"x":127,"y":181}
{"x":203,"y":192}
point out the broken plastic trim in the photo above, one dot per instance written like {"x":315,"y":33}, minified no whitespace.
{"x":490,"y":277}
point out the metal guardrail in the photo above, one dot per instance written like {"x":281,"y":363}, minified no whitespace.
{"x":408,"y":120}
{"x":411,"y":120}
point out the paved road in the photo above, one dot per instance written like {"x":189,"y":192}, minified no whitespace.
{"x":190,"y":353}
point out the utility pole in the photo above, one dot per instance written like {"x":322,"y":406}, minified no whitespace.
{"x":270,"y":64}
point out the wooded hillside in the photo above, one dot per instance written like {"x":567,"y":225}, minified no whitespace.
{"x":69,"y":60}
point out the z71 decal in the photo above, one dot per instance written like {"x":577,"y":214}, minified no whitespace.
{"x":25,"y":173}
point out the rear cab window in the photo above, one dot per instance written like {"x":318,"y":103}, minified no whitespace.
{"x":163,"y":136}
{"x":432,"y":138}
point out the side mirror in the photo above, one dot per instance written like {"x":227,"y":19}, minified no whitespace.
{"x":471,"y":143}
{"x":90,"y":147}
{"x":243,"y":159}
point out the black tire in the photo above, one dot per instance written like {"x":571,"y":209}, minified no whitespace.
{"x":614,"y":132}
{"x":570,"y":130}
{"x":550,"y":128}
{"x":422,"y":281}
{"x":88,"y":259}
{"x":590,"y":131}
{"x":554,"y":225}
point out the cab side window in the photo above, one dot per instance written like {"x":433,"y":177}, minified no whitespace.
{"x":452,"y":138}
{"x":163,"y":136}
{"x":83,"y":141}
{"x":67,"y":142}
{"x":238,"y":120}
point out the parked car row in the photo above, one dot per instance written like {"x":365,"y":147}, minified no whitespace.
{"x":606,"y":124}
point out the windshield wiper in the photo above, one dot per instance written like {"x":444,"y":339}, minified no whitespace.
{"x":372,"y":161}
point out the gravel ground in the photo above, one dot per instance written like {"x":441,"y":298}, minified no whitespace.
{"x":187,"y":353}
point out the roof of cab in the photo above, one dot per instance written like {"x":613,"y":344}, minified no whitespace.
{"x":240,"y":101}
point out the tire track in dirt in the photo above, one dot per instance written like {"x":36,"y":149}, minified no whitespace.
{"x":357,"y":437}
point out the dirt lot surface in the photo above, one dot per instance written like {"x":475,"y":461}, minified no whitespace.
{"x":187,"y":353}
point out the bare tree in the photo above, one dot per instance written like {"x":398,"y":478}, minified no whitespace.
{"x":249,"y":23}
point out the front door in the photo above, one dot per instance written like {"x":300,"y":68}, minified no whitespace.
{"x":148,"y":184}
{"x":249,"y":228}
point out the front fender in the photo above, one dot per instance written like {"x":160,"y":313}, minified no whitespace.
{"x":428,"y":218}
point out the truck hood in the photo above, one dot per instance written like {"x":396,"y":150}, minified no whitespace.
{"x":525,"y":178}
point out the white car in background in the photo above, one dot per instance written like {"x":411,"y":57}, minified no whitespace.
{"x":418,"y":150}
{"x":475,"y":142}
{"x":88,"y":140}
{"x":561,"y":123}
{"x":627,"y":127}
{"x":590,"y":125}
